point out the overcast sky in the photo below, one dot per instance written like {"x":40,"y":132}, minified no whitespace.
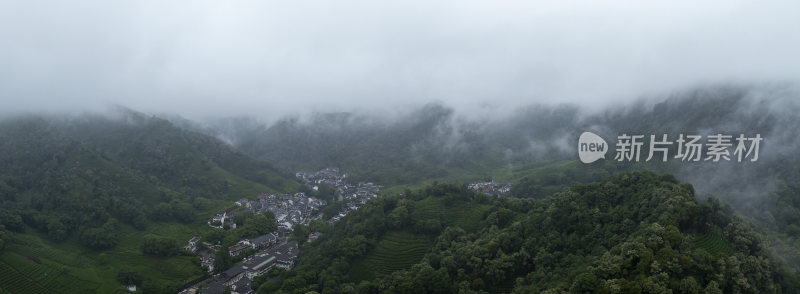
{"x":217,"y":58}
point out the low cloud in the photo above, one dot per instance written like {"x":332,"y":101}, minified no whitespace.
{"x":211,"y":59}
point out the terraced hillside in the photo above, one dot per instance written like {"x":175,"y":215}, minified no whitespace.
{"x":395,"y":251}
{"x":713,"y":242}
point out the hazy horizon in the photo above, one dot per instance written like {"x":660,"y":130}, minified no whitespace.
{"x":211,"y":59}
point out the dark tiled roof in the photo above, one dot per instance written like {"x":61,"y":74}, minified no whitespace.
{"x":213,"y":288}
{"x":232,"y":272}
{"x":243,"y":286}
{"x":261,"y":262}
{"x":263,"y":239}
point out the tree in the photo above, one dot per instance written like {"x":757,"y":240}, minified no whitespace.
{"x":182,"y":212}
{"x":713,"y":288}
{"x":399,"y":216}
{"x":584,"y":283}
{"x":162,"y":212}
{"x":272,"y":224}
{"x":222,"y":260}
{"x":300,"y":234}
{"x":128,"y":277}
{"x":240,"y":218}
{"x":318,"y":225}
{"x":102,"y":237}
{"x":3,"y":237}
{"x":257,"y":225}
{"x":11,"y":221}
{"x":332,"y":209}
{"x":215,"y":236}
{"x":56,"y":229}
{"x":689,"y":285}
{"x":161,"y":246}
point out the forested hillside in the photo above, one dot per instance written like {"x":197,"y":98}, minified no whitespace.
{"x":432,"y":142}
{"x":410,"y":150}
{"x":535,"y":147}
{"x":631,"y":233}
{"x":436,"y":142}
{"x":89,"y":187}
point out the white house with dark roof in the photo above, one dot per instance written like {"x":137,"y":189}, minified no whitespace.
{"x":192,"y":244}
{"x":264,"y":241}
{"x":242,"y":202}
{"x":239,"y":247}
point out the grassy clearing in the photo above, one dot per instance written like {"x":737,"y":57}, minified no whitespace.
{"x":395,"y":251}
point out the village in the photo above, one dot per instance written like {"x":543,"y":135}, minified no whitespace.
{"x":289,"y":210}
{"x":491,"y":188}
{"x":273,"y":250}
{"x":353,"y":195}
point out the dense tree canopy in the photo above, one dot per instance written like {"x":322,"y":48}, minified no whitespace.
{"x":222,"y":260}
{"x":161,"y":246}
{"x":636,"y":232}
{"x":85,"y":176}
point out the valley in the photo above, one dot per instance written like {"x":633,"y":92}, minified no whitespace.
{"x":103,"y":203}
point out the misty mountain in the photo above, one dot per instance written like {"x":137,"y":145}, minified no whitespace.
{"x":432,"y":142}
{"x":66,"y":176}
{"x":411,"y":149}
{"x":436,"y":142}
{"x":406,"y":147}
{"x":535,"y":146}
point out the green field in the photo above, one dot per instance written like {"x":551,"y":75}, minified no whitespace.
{"x":10,"y":278}
{"x":466,"y":215}
{"x":33,"y":264}
{"x":395,"y":251}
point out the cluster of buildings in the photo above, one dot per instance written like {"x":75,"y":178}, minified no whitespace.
{"x":256,"y":243}
{"x":224,"y":218}
{"x":330,"y":176}
{"x":272,"y":250}
{"x":240,"y":277}
{"x":491,"y":188}
{"x":355,"y":195}
{"x":207,"y":256}
{"x":289,"y":209}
